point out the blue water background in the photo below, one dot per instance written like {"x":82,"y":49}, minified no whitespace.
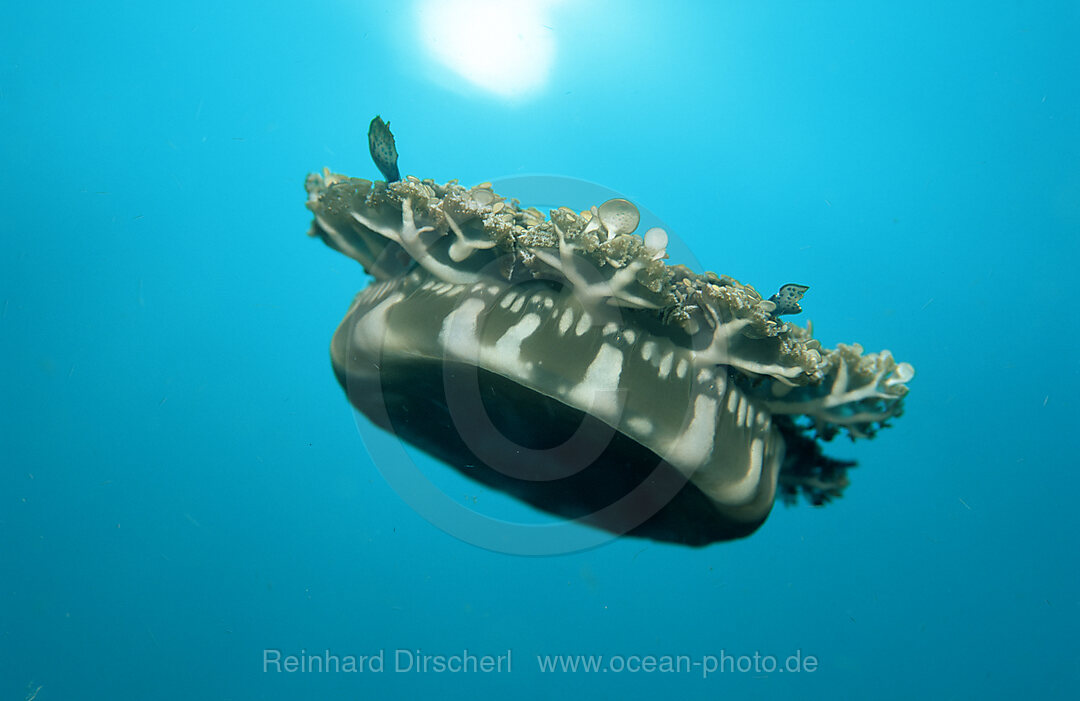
{"x":183,"y":484}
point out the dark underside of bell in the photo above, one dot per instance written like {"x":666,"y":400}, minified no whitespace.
{"x":531,"y":444}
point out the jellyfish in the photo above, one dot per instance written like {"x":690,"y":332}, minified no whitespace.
{"x":562,"y":359}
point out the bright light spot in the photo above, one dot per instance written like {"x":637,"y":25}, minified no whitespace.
{"x":499,"y":45}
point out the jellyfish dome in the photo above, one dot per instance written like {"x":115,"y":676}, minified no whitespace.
{"x":562,"y":359}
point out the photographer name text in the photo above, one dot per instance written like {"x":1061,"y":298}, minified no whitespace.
{"x":399,"y":660}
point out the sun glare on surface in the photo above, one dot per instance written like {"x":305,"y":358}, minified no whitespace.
{"x":503,"y":47}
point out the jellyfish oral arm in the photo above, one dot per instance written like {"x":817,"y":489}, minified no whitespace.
{"x":408,"y":237}
{"x":718,"y":353}
{"x":858,"y":401}
{"x":612,"y":290}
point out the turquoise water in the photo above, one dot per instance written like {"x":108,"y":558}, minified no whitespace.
{"x":184,"y":486}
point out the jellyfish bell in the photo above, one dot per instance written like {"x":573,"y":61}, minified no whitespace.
{"x":560,"y":359}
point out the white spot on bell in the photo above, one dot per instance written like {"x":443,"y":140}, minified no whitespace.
{"x":565,"y":322}
{"x":692,"y":448}
{"x":640,"y":425}
{"x":665,"y":364}
{"x":584,"y":324}
{"x":597,"y":393}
